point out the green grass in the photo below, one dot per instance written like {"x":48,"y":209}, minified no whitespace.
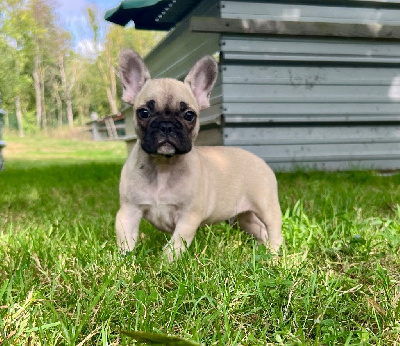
{"x":62,"y":280}
{"x":40,"y":151}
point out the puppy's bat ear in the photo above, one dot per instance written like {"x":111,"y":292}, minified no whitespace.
{"x":133,"y":73}
{"x":201,"y":79}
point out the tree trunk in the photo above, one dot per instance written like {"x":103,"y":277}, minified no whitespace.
{"x":112,"y":101}
{"x":59,"y":104}
{"x":113,"y":81}
{"x":108,"y":74}
{"x":70,"y":115}
{"x":59,"y":111}
{"x":82,"y":111}
{"x":67,"y":90}
{"x":19,"y":116}
{"x":36,"y":81}
{"x":6,"y":120}
{"x":44,"y":115}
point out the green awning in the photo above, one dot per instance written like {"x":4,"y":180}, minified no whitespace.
{"x":150,"y":14}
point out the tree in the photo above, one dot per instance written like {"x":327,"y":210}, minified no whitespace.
{"x":15,"y":45}
{"x":43,"y":30}
{"x":104,"y":62}
{"x":67,"y":80}
{"x":39,"y":82}
{"x":116,"y":39}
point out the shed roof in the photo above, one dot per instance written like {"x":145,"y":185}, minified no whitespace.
{"x":150,"y":14}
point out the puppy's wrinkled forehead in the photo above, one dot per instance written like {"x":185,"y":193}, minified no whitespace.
{"x":167,"y":94}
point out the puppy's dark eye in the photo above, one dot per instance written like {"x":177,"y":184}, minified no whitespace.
{"x":143,"y":113}
{"x":189,"y":116}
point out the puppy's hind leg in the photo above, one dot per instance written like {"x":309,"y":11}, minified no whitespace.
{"x":269,"y":214}
{"x":272,"y":219}
{"x":127,"y":227}
{"x":251,"y":224}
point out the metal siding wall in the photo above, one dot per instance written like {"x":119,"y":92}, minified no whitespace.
{"x":263,"y":92}
{"x":322,"y":147}
{"x":320,"y":103}
{"x":310,"y":49}
{"x":311,"y":12}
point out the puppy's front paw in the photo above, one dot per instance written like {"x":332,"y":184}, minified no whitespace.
{"x":124,"y":253}
{"x":124,"y":248}
{"x":174,"y":250}
{"x":275,"y":246}
{"x":170,"y":254}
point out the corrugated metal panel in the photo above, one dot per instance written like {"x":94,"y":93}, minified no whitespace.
{"x":322,"y":147}
{"x":343,"y":164}
{"x":312,"y":75}
{"x":309,"y":49}
{"x":309,"y":112}
{"x":288,"y":93}
{"x":312,"y":134}
{"x":313,"y":12}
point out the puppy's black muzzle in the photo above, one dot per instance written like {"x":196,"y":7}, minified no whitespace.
{"x":162,"y":131}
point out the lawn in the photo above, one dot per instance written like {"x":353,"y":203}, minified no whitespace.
{"x":62,"y":280}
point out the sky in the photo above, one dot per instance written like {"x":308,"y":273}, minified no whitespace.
{"x":72,"y":14}
{"x":71,"y":8}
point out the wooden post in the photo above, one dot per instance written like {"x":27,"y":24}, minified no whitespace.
{"x":111,"y":129}
{"x":95,"y":126}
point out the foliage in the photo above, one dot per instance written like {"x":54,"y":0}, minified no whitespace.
{"x":45,"y":79}
{"x":336,"y":281}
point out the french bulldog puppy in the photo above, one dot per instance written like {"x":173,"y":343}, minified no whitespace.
{"x":177,"y":186}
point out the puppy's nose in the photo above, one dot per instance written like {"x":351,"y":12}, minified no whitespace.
{"x":166,"y":128}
